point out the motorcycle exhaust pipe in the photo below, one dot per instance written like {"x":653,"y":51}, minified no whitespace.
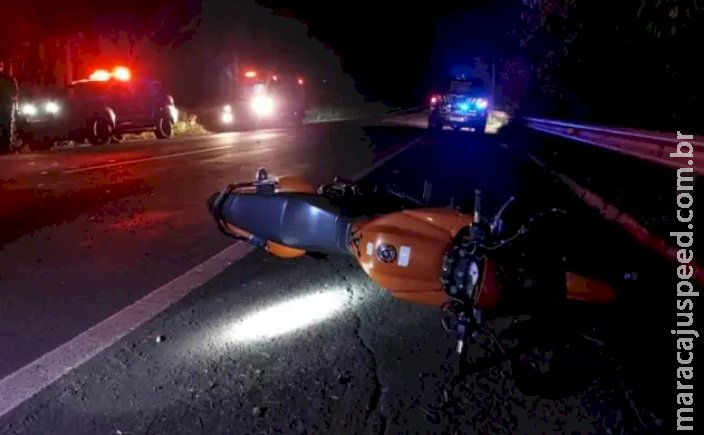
{"x":297,"y":220}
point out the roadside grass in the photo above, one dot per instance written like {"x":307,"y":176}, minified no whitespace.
{"x":336,"y":112}
{"x":497,"y":119}
{"x":187,"y":125}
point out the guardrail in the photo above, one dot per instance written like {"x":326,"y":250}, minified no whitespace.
{"x":648,"y":145}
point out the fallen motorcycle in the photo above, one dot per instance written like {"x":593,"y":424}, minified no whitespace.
{"x":462,"y":262}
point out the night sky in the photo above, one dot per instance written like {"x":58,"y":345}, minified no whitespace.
{"x":392,"y":53}
{"x":387,"y":50}
{"x":392,"y":50}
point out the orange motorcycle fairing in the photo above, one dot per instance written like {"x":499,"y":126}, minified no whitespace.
{"x":283,"y":251}
{"x":294,"y":185}
{"x":276,"y":249}
{"x":590,"y":290}
{"x":490,"y":293}
{"x":403,"y":251}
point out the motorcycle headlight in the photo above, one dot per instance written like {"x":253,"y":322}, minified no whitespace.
{"x":263,"y":105}
{"x":28,"y":109}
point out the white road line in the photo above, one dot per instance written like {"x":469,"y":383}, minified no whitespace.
{"x":162,"y":157}
{"x":39,"y":374}
{"x":29,"y":380}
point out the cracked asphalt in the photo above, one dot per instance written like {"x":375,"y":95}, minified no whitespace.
{"x":375,"y":366}
{"x":312,"y":346}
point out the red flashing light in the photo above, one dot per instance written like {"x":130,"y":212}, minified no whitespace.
{"x":121,"y":73}
{"x":274,"y":78}
{"x":300,"y":81}
{"x":250,"y":74}
{"x":100,"y":75}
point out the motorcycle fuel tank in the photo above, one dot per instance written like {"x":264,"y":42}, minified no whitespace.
{"x":403,"y":251}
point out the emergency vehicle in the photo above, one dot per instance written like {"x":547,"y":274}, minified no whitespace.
{"x":99,"y":109}
{"x":460,"y":102}
{"x":265,"y":99}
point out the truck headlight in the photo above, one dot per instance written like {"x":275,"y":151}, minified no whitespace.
{"x":52,"y":107}
{"x":29,"y":109}
{"x":263,"y":105}
{"x":227,"y":117}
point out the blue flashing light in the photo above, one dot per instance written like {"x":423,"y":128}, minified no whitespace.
{"x":464,"y":107}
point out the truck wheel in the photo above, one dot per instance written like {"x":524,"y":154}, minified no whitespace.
{"x":99,"y":131}
{"x":117,"y":137}
{"x":164,"y":128}
{"x":21,"y":140}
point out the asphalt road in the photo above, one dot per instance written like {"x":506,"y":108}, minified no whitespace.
{"x":340,"y":355}
{"x":83,"y":235}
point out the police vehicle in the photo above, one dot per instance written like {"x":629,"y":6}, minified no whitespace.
{"x":458,"y":103}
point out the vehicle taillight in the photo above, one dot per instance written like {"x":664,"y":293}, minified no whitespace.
{"x":122,"y":73}
{"x":250,"y":74}
{"x":300,"y":81}
{"x":100,"y":75}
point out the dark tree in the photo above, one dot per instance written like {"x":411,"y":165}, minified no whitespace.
{"x":627,"y":62}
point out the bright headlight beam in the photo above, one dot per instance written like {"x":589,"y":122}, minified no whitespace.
{"x":227,"y":117}
{"x":51,"y":107}
{"x":288,"y":316}
{"x":29,"y":109}
{"x":262,"y":105}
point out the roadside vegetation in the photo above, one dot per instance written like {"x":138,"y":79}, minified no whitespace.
{"x":187,"y":125}
{"x":336,"y":112}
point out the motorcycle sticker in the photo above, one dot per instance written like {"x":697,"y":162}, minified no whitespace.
{"x":404,"y":256}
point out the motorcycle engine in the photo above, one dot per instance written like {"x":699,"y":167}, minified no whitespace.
{"x":461,"y":270}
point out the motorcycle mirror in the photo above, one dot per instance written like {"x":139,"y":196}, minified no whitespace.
{"x":496,"y":222}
